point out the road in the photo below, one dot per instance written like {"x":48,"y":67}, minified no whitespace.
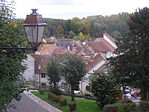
{"x":26,"y":105}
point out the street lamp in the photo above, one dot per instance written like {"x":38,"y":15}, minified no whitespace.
{"x":34,"y":28}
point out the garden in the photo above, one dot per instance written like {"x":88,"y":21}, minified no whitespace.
{"x":83,"y":105}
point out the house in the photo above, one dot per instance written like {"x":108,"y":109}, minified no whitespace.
{"x":98,"y":64}
{"x":107,"y":42}
{"x":103,"y":48}
{"x":43,"y":56}
{"x":29,"y":72}
{"x":41,"y":62}
{"x":45,"y":49}
{"x":95,"y":54}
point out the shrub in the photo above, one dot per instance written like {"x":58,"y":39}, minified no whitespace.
{"x":55,"y":90}
{"x":87,"y":94}
{"x":110,"y":108}
{"x":55,"y":98}
{"x":50,"y":96}
{"x":41,"y":90}
{"x":50,"y":42}
{"x":63,"y":101}
{"x":72,"y":106}
{"x":104,"y":88}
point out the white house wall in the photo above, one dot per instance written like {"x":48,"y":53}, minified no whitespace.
{"x":29,"y":72}
{"x":41,"y":80}
{"x":109,"y":41}
{"x":86,"y":80}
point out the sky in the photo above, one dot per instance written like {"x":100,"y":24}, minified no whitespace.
{"x":68,"y":9}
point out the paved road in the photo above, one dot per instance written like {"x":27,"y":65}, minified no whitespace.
{"x":26,"y":105}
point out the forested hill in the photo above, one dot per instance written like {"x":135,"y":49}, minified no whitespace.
{"x":90,"y":27}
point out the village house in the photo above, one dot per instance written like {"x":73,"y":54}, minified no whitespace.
{"x":95,"y":52}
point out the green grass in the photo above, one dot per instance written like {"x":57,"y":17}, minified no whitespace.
{"x":83,"y":105}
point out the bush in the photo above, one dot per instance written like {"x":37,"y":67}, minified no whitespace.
{"x":55,"y":90}
{"x":50,"y":96}
{"x":87,"y":94}
{"x":41,"y":90}
{"x":63,"y":101}
{"x":110,"y":108}
{"x":72,"y":106}
{"x":55,"y":98}
{"x":104,"y":88}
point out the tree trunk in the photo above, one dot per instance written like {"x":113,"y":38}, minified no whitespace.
{"x":72,"y":93}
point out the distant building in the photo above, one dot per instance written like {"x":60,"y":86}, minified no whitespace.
{"x":95,"y":54}
{"x":29,"y":73}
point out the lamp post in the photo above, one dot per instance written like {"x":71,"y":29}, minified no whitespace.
{"x":34,"y":28}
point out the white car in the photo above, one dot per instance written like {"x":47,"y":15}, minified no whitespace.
{"x":77,"y":92}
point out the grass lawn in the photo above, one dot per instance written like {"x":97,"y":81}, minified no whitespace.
{"x":83,"y":105}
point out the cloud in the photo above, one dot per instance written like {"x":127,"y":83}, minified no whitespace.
{"x":66,"y":9}
{"x":55,"y":2}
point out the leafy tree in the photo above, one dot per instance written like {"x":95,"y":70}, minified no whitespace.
{"x":76,"y":38}
{"x":117,"y":35}
{"x":131,"y":66}
{"x":60,"y":29}
{"x":53,"y":71}
{"x":11,"y":67}
{"x":104,"y":88}
{"x":92,"y":25}
{"x":82,"y":36}
{"x":73,"y":70}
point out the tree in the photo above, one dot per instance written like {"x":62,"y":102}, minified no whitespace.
{"x":7,"y":8}
{"x":11,"y":67}
{"x":104,"y":88}
{"x":54,"y":76}
{"x":53,"y":71}
{"x":76,"y":38}
{"x":131,"y":66}
{"x":82,"y":36}
{"x":73,"y":70}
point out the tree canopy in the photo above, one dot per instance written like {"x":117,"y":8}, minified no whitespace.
{"x":73,"y":70}
{"x":91,"y":27}
{"x":131,"y":65}
{"x":104,"y":88}
{"x":53,"y":72}
{"x":11,"y":67}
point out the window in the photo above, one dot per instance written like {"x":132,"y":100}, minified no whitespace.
{"x":88,"y":88}
{"x":43,"y":75}
{"x":43,"y":85}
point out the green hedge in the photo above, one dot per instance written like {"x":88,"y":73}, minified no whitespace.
{"x":128,"y":107}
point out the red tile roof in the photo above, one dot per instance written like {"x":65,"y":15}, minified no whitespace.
{"x":46,"y":49}
{"x":106,"y":44}
{"x":41,"y":62}
{"x":97,"y":46}
{"x":94,"y":62}
{"x":59,"y":50}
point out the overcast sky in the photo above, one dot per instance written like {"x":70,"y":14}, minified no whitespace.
{"x":67,"y":9}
